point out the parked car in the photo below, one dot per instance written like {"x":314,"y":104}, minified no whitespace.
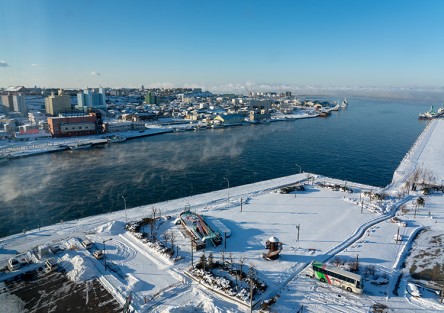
{"x":51,"y":265}
{"x":56,"y":249}
{"x":13,"y":264}
{"x":98,"y":254}
{"x":87,"y":244}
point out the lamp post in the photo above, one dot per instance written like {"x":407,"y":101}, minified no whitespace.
{"x":126,"y":217}
{"x":300,"y":169}
{"x":104,"y":251}
{"x":228,"y":190}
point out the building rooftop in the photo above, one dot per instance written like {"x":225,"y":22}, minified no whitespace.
{"x":15,"y":89}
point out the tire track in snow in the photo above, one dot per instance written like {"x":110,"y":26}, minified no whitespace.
{"x":359,"y":232}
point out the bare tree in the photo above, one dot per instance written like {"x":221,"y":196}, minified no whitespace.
{"x":211,"y":260}
{"x":241,"y":265}
{"x":166,"y":237}
{"x":337,"y":261}
{"x":172,"y":240}
{"x":416,"y":175}
{"x":404,"y":209}
{"x":251,"y":277}
{"x":420,"y":201}
{"x":203,"y":261}
{"x":152,"y":223}
{"x":406,"y":187}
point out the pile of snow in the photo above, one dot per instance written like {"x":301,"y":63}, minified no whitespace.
{"x":78,"y":268}
{"x":413,"y":290}
{"x":12,"y":303}
{"x":204,"y":306}
{"x":133,"y":282}
{"x":111,"y":228}
{"x":71,"y":244}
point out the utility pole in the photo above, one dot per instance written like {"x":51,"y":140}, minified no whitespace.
{"x":228,"y":190}
{"x":241,"y":204}
{"x":298,"y":227}
{"x":251,"y":294}
{"x":126,"y":217}
{"x":192,"y":266}
{"x":362,"y":206}
{"x":397,"y":236}
{"x":225,"y":240}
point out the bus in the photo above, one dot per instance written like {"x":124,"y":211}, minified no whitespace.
{"x":337,"y":277}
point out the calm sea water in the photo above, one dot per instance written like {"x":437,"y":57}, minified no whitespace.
{"x":363,"y":143}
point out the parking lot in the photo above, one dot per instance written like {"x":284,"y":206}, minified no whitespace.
{"x":54,"y":292}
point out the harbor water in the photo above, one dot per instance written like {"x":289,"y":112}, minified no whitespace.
{"x":363,"y":143}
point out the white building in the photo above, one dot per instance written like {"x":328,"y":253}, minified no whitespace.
{"x":90,"y":99}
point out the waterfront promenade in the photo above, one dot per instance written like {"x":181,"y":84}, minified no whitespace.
{"x":426,"y":153}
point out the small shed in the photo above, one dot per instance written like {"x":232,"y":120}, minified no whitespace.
{"x":274,"y":247}
{"x":272,"y":244}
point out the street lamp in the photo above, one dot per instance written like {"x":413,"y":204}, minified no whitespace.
{"x":300,"y":169}
{"x":126,"y":217}
{"x":104,"y":251}
{"x":228,"y":189}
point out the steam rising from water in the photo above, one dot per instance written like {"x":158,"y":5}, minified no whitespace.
{"x":45,"y":189}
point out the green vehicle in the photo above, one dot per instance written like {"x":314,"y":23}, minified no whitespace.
{"x":337,"y":277}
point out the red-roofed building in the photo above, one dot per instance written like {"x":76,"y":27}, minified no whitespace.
{"x":73,"y":126}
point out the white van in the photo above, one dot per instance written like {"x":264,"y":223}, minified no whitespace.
{"x":51,"y":265}
{"x":87,"y":244}
{"x":13,"y":264}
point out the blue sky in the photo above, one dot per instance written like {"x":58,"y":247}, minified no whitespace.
{"x":221,"y":44}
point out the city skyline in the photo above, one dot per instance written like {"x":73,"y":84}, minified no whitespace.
{"x":221,"y":46}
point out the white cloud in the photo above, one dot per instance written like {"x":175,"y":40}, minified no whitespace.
{"x":161,"y":85}
{"x":95,"y":74}
{"x":3,"y":64}
{"x":34,"y":65}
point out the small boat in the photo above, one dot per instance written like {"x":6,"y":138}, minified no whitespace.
{"x":79,"y":146}
{"x":115,"y":139}
{"x":428,"y":115}
{"x":324,"y":113}
{"x":344,"y":103}
{"x":3,"y":158}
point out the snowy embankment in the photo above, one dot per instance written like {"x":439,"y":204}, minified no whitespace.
{"x":426,"y":153}
{"x":16,"y":149}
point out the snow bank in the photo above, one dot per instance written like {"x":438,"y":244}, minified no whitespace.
{"x":12,"y":303}
{"x":413,"y":290}
{"x":204,"y":306}
{"x":78,"y":268}
{"x":71,"y":244}
{"x":134,"y":283}
{"x":111,"y":228}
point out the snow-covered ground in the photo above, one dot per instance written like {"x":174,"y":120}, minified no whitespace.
{"x":333,"y":226}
